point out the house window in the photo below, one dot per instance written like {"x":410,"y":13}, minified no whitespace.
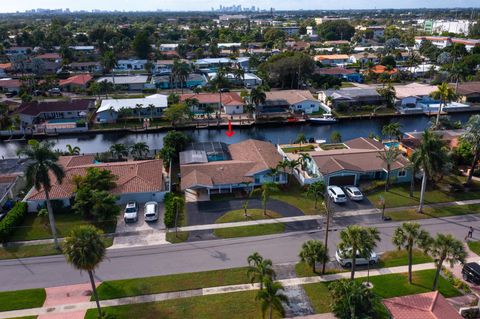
{"x":299,"y":106}
{"x":312,"y":106}
{"x":402,"y":173}
{"x":257,"y":179}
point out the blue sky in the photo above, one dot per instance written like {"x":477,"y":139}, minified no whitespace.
{"x":134,"y":5}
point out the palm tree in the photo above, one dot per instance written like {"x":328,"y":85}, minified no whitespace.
{"x":119,"y":151}
{"x":152,"y":109}
{"x":271,"y":298}
{"x":265,"y":191}
{"x":84,"y":249}
{"x":304,"y":159}
{"x":431,"y":158}
{"x":247,"y":200}
{"x":301,"y":138}
{"x":138,"y":110}
{"x":446,"y":248}
{"x":472,"y":136}
{"x":445,"y":94}
{"x":389,"y":157}
{"x":357,"y":240}
{"x":139,"y":149}
{"x":457,"y":73}
{"x":313,"y":251}
{"x":292,"y":165}
{"x":392,"y":130}
{"x":389,"y":94}
{"x":316,"y":190}
{"x":109,"y":62}
{"x":43,"y":161}
{"x":351,"y":299}
{"x":282,"y":166}
{"x":407,"y":236}
{"x":73,"y":150}
{"x":258,"y":97}
{"x":259,"y":269}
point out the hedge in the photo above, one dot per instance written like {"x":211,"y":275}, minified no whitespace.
{"x":170,"y":211}
{"x":13,"y":219}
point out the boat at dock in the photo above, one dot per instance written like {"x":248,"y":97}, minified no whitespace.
{"x":325,"y":119}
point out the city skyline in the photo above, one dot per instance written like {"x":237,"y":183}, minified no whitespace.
{"x":204,"y":5}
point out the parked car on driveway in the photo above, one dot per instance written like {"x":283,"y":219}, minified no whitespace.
{"x":471,"y":272}
{"x":347,"y":262}
{"x":354,"y":193}
{"x":151,"y":211}
{"x":130,"y":214}
{"x":336,"y":194}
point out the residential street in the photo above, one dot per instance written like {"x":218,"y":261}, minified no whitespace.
{"x":206,"y":255}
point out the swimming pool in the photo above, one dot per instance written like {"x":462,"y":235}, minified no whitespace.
{"x":392,"y":144}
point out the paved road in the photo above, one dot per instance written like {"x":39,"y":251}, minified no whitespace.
{"x":200,"y":256}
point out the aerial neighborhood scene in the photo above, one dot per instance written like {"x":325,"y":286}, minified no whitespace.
{"x":235,"y":160}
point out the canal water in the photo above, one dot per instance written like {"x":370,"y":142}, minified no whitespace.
{"x":93,"y":143}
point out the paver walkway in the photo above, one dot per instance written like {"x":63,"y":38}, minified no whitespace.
{"x":83,"y":306}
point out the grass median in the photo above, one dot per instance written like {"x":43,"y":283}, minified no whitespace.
{"x":21,"y":299}
{"x":434,"y":212}
{"x":252,"y":214}
{"x":246,"y":231}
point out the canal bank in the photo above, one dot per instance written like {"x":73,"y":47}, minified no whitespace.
{"x":95,"y":142}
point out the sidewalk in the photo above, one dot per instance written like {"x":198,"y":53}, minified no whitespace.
{"x":434,"y":205}
{"x":83,"y":306}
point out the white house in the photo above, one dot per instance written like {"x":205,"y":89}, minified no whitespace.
{"x":299,"y":101}
{"x":131,"y":65}
{"x":131,"y":83}
{"x":152,"y":105}
{"x":168,"y":47}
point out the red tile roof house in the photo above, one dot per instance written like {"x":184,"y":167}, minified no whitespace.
{"x":216,"y":168}
{"x":10,"y":85}
{"x":76,"y":82}
{"x":231,"y":102}
{"x":39,"y":112}
{"x":141,"y":181}
{"x":430,"y":305}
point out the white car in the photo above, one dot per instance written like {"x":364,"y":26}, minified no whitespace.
{"x":151,"y":211}
{"x":354,"y":193}
{"x":130,"y":214}
{"x":347,"y":262}
{"x":336,"y":194}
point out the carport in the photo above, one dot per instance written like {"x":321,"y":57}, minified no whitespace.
{"x":343,"y":180}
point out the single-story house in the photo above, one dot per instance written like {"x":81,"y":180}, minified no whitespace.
{"x":349,"y":75}
{"x":412,"y":140}
{"x":381,"y":69}
{"x":53,"y":57}
{"x":469,"y":91}
{"x":333,"y":59}
{"x":168,"y":47}
{"x":408,"y":95}
{"x":351,"y":97}
{"x":10,"y":85}
{"x":130,"y":83}
{"x":248,"y":79}
{"x":364,"y":58}
{"x":152,"y":105}
{"x":75,"y":82}
{"x":131,"y":65}
{"x":17,"y":50}
{"x":299,"y":101}
{"x":350,"y":163}
{"x":141,"y":181}
{"x":193,"y":80}
{"x":212,"y":64}
{"x":92,"y":67}
{"x":230,"y":102}
{"x":163,"y":67}
{"x":217,"y":168}
{"x":57,"y":111}
{"x":428,"y":305}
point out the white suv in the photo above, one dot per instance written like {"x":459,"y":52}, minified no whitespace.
{"x":336,"y":194}
{"x":354,"y":193}
{"x":359,"y":260}
{"x":151,"y":211}
{"x":131,"y":212}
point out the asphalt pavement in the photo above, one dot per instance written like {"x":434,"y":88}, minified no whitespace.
{"x":205,"y":255}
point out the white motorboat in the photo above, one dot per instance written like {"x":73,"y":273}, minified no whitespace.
{"x":325,"y":119}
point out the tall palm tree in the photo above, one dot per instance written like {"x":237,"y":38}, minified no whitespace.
{"x":265,"y":191}
{"x":109,"y":62}
{"x":259,"y":269}
{"x":119,"y":151}
{"x":472,"y":136}
{"x":73,"y":150}
{"x":389,"y":94}
{"x":389,"y":157}
{"x":43,"y":165}
{"x":139,"y":149}
{"x":292,"y":165}
{"x":407,"y":236}
{"x":152,"y":109}
{"x":84,"y":249}
{"x":445,"y":94}
{"x":316,"y":190}
{"x":271,"y":298}
{"x":138,"y":110}
{"x":446,"y":248}
{"x":304,"y":159}
{"x":457,"y":73}
{"x":313,"y":251}
{"x":392,"y":130}
{"x":258,"y":97}
{"x":431,"y":158}
{"x":282,"y":166}
{"x":359,"y":240}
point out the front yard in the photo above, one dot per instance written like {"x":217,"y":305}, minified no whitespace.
{"x":21,"y":299}
{"x":433,"y":212}
{"x":296,"y":196}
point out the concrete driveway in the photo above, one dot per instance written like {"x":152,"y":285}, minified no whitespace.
{"x":351,"y":205}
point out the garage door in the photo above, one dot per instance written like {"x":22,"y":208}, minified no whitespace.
{"x":342,"y":180}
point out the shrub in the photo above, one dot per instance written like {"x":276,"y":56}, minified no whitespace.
{"x":170,"y":211}
{"x":14,"y":218}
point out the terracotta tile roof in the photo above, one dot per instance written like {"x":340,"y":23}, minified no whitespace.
{"x":379,"y":69}
{"x":35,"y":108}
{"x":228,"y":98}
{"x":80,"y":79}
{"x":323,"y":57}
{"x":10,"y":84}
{"x":133,"y":177}
{"x":248,"y":158}
{"x":291,"y":97}
{"x":5,"y":66}
{"x":49,"y":56}
{"x":430,"y":305}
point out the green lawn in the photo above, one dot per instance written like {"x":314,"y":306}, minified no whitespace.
{"x":396,"y":258}
{"x":294,"y":195}
{"x":429,"y":212}
{"x":180,"y":237}
{"x":35,"y":227}
{"x":304,"y":148}
{"x":252,"y":214}
{"x":304,"y":270}
{"x":238,"y":305}
{"x":399,"y":195}
{"x":246,"y":231}
{"x":153,"y":285}
{"x":21,"y":299}
{"x":365,"y":112}
{"x":319,"y":296}
{"x":474,"y":246}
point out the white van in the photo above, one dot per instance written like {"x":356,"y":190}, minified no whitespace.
{"x":151,"y":211}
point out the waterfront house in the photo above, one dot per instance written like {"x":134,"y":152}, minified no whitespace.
{"x":248,"y":79}
{"x":469,"y":92}
{"x":150,"y":106}
{"x":210,"y":65}
{"x":92,"y":67}
{"x":381,"y":69}
{"x":229,"y":102}
{"x":351,"y":97}
{"x":140,"y":181}
{"x":333,"y":59}
{"x":75,"y":82}
{"x":130,"y":83}
{"x":193,"y":80}
{"x":70,"y":111}
{"x":163,"y":67}
{"x":298,"y":101}
{"x":217,"y":168}
{"x":349,"y":75}
{"x":409,"y":95}
{"x":412,"y":140}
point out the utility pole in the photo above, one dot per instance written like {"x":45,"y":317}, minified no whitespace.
{"x":327,"y":228}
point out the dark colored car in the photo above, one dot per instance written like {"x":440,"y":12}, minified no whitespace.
{"x":471,"y":272}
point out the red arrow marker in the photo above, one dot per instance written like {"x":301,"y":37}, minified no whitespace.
{"x":230,"y":132}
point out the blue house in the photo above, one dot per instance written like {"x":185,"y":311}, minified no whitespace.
{"x":163,"y":82}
